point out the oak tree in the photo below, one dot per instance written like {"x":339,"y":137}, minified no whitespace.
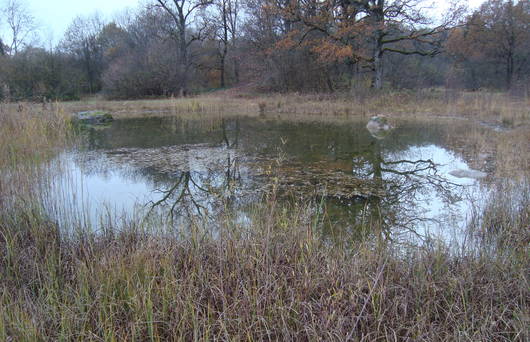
{"x":365,"y":30}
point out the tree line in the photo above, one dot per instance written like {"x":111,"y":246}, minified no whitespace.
{"x":178,"y":47}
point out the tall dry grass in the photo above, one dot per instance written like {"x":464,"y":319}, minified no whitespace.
{"x":276,"y":280}
{"x":29,"y":132}
{"x":498,"y":108}
{"x":29,"y":137}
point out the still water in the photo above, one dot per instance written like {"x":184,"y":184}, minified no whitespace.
{"x":198,"y":168}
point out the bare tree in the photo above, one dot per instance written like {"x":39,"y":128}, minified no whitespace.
{"x":181,"y":13}
{"x":21,"y":23}
{"x":82,"y":39}
{"x":224,"y":25}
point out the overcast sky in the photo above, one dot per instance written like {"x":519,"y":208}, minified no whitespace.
{"x":54,"y":16}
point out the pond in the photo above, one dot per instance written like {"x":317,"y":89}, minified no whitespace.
{"x":195,"y":168}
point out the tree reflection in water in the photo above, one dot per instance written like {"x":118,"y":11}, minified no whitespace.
{"x":401,"y":185}
{"x":407,"y":183}
{"x":202,"y":193}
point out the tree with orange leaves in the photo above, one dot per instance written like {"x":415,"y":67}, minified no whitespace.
{"x":363,"y":31}
{"x":496,"y":35}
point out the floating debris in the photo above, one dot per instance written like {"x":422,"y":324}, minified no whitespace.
{"x":171,"y":159}
{"x":317,"y":179}
{"x":320,"y":179}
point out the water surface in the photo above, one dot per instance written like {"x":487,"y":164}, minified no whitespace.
{"x":190,"y":168}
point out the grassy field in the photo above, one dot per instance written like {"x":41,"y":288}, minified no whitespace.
{"x":276,"y":280}
{"x":494,"y":107}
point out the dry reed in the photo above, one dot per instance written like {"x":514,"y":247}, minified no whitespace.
{"x":275,"y":280}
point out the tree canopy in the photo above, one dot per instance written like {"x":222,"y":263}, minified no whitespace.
{"x":176,"y":47}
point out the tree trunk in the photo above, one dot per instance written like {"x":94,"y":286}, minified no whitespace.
{"x":224,"y":51}
{"x":236,"y":70}
{"x":509,"y":71}
{"x":377,"y":77}
{"x":183,"y":47}
{"x":511,"y":37}
{"x":222,"y":70}
{"x":89,"y":71}
{"x":379,"y":23}
{"x":183,"y":71}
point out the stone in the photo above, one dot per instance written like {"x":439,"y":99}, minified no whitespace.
{"x":379,"y":127}
{"x":94,"y":117}
{"x":475,"y":174}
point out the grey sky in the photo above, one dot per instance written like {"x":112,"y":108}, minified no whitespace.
{"x":54,"y":16}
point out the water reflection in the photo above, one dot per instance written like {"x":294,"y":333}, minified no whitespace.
{"x":414,"y":183}
{"x":200,"y":192}
{"x":189,"y":169}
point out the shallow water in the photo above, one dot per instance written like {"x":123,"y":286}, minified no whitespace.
{"x":188,"y":168}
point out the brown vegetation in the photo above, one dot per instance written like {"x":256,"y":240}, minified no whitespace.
{"x":497,"y":108}
{"x":275,"y":280}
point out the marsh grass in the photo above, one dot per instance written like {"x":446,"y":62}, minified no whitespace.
{"x":499,"y":108}
{"x":29,"y":137}
{"x":29,"y":133}
{"x":275,"y":280}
